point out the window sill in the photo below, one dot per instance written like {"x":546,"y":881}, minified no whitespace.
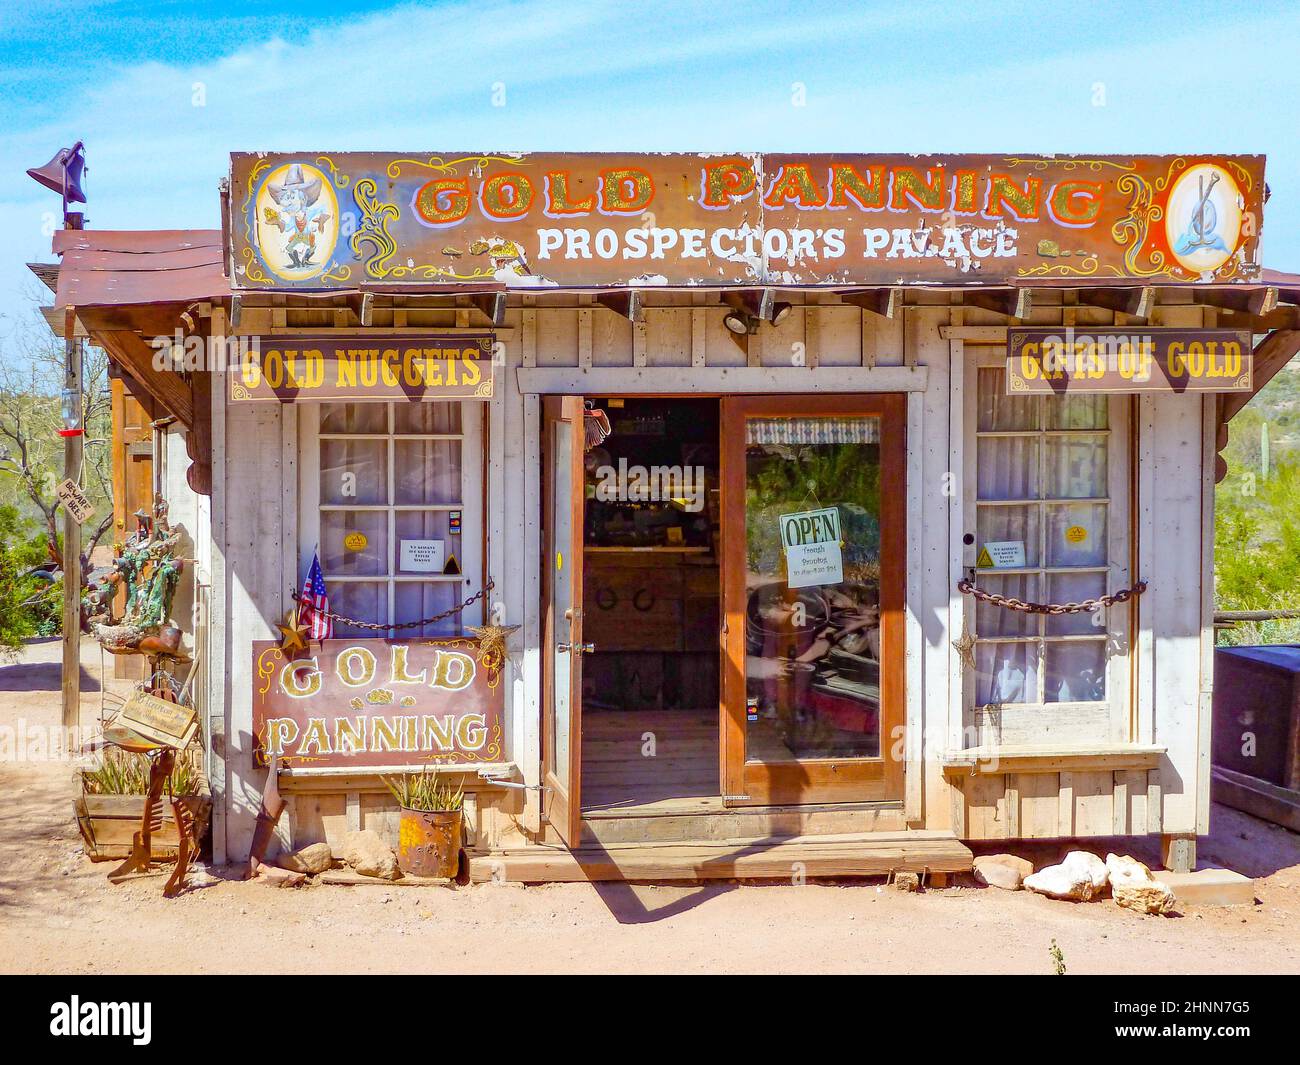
{"x":1051,"y":758}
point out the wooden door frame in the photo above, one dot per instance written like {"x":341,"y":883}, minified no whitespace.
{"x":561,"y":805}
{"x":825,"y":779}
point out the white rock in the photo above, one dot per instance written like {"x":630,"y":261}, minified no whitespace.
{"x":369,"y":855}
{"x":1125,"y":871}
{"x":1079,"y":877}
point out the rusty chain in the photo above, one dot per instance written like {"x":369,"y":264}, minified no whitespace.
{"x":381,"y":627}
{"x":967,"y":587}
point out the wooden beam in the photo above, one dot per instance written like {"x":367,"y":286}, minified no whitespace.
{"x":1254,"y":301}
{"x":167,"y":387}
{"x":1014,"y":303}
{"x":1270,"y":355}
{"x":628,"y":303}
{"x":1135,"y":302}
{"x":885,"y":302}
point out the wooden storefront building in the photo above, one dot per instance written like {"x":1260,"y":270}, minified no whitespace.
{"x":763,"y":471}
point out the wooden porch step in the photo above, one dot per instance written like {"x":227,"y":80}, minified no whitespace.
{"x":705,"y":818}
{"x":871,"y":854}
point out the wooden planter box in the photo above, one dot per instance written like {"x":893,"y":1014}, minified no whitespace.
{"x":108,"y":823}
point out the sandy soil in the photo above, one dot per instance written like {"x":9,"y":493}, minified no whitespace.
{"x":59,"y":914}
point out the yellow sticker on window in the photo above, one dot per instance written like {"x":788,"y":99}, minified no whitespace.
{"x":559,"y":561}
{"x":355,"y":541}
{"x":1076,"y":534}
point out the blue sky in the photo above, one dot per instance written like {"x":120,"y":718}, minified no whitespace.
{"x":162,"y":92}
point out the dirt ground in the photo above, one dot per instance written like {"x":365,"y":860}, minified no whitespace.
{"x":59,"y":914}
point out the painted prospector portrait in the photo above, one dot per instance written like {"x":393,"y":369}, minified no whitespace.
{"x":297,"y":225}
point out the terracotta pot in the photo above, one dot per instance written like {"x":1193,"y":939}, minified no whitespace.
{"x":429,"y":842}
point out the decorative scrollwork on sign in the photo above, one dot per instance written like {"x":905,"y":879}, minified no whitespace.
{"x":373,"y":229}
{"x":1087,"y":268}
{"x":265,"y":670}
{"x":439,"y":165}
{"x":338,"y":273}
{"x":252,"y":269}
{"x":1131,"y":231}
{"x":1095,"y":165}
{"x":341,"y":180}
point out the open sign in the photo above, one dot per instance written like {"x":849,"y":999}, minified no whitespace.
{"x":810,"y":527}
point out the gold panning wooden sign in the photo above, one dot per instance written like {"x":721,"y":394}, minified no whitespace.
{"x":163,"y":722}
{"x":1074,"y":360}
{"x":487,"y":220}
{"x":431,"y":366}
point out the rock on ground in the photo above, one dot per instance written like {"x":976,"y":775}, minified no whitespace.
{"x":369,"y":855}
{"x":1006,"y":871}
{"x":1080,"y":877}
{"x":1149,"y":897}
{"x":312,"y":859}
{"x":1124,"y":871}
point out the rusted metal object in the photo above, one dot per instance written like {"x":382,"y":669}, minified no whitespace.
{"x":429,"y":842}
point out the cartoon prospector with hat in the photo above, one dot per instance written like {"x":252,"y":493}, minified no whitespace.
{"x":295,"y":215}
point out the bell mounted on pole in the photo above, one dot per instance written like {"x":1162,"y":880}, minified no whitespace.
{"x":63,"y":175}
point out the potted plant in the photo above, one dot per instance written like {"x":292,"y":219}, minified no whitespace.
{"x":111,"y":804}
{"x":431,"y":826}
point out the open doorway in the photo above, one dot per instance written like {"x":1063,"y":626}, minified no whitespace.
{"x":651,"y":603}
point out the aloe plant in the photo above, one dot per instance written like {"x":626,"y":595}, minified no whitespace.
{"x":126,"y":773}
{"x":426,"y":791}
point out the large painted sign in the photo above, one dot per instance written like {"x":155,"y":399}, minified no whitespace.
{"x":369,"y":703}
{"x":1060,"y":361}
{"x":286,"y":368}
{"x":320,"y":221}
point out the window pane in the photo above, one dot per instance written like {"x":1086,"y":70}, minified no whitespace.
{"x":363,"y":601}
{"x":428,"y":471}
{"x":354,"y":472}
{"x":354,"y":543}
{"x":997,"y":410}
{"x":1008,"y":467}
{"x":414,"y":601}
{"x":1006,"y":673}
{"x":425,"y":525}
{"x":1076,"y":467}
{"x":1076,"y":534}
{"x":991,"y":620}
{"x":426,"y":418}
{"x":1000,"y":524}
{"x":354,"y":418}
{"x":813,"y":611}
{"x":1075,"y":588}
{"x":1076,"y":412}
{"x":1076,"y":672}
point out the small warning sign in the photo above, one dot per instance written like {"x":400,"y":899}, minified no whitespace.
{"x":74,"y":500}
{"x":1002,"y":554}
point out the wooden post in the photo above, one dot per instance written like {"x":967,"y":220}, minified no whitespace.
{"x":1178,"y":853}
{"x":73,"y":449}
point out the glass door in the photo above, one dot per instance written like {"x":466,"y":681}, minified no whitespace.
{"x":814,"y":560}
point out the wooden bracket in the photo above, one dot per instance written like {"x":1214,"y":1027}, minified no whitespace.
{"x":761,"y":303}
{"x":886,"y":302}
{"x":1014,"y":303}
{"x":1135,"y":302}
{"x":628,"y":303}
{"x":1256,"y":301}
{"x":492,"y":305}
{"x":1270,"y":355}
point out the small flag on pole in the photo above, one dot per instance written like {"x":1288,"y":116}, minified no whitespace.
{"x":314,"y":604}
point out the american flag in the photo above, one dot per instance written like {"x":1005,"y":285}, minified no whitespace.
{"x":314,"y":604}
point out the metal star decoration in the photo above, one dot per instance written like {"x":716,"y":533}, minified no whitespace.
{"x":293,"y":633}
{"x":492,"y":639}
{"x":965,"y":647}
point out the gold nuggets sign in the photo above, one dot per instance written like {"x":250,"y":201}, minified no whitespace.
{"x":455,"y":366}
{"x":1125,"y":360}
{"x":368,"y":703}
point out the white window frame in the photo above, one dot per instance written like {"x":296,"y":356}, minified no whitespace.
{"x":468,"y":547}
{"x":1065,"y":723}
